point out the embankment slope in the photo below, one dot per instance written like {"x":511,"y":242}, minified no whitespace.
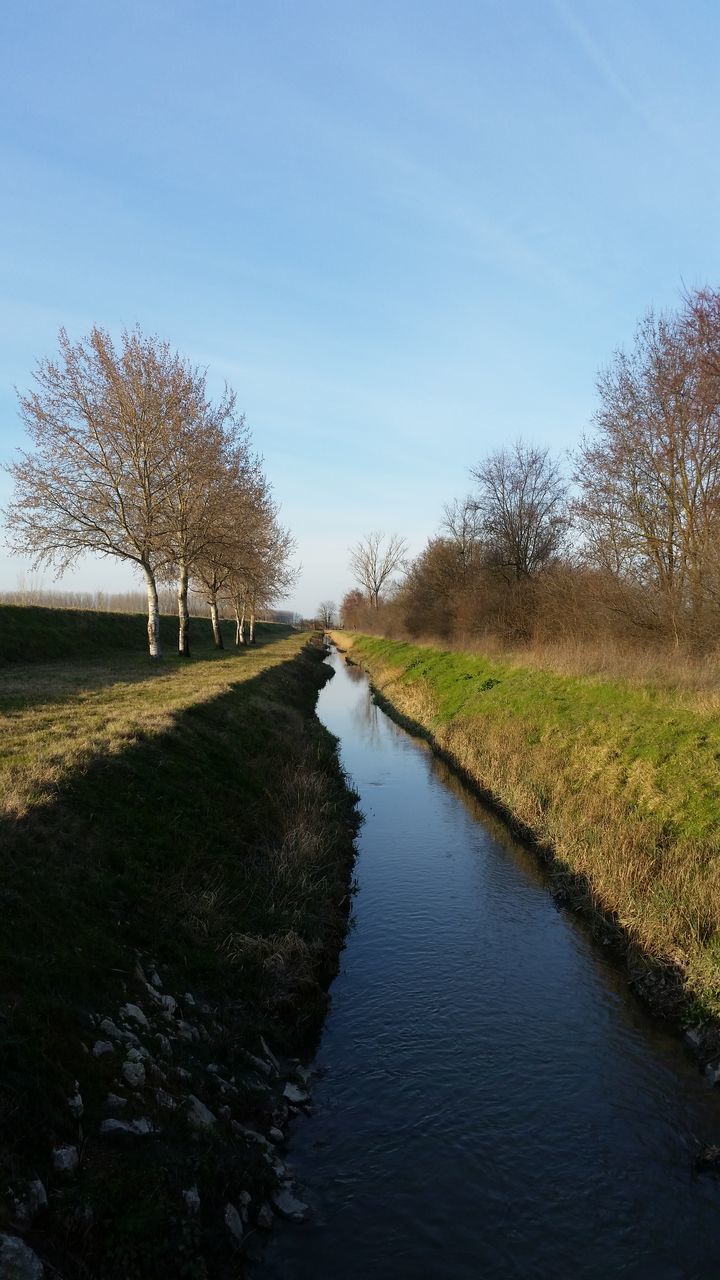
{"x":617,"y":784}
{"x":177,"y":850}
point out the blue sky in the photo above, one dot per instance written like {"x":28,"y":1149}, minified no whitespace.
{"x":406,"y":232}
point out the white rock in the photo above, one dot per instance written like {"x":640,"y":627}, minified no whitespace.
{"x":189,"y":999}
{"x":126,"y":1037}
{"x":169,"y":1005}
{"x":17,"y":1261}
{"x":165,"y":1045}
{"x":233,"y":1222}
{"x":101,"y":1047}
{"x":134,"y":1073}
{"x":295,"y":1095}
{"x":186,"y":1031}
{"x":277,"y":1135}
{"x":155,"y":978}
{"x":265,"y":1217}
{"x":137,"y":1053}
{"x":153,"y":994}
{"x":182,"y":1074}
{"x":75,"y":1103}
{"x":135,"y":1014}
{"x":192,"y":1199}
{"x":65,"y":1159}
{"x":115,"y":1102}
{"x":166,"y":1100}
{"x":141,"y":1128}
{"x":289,"y":1206}
{"x":199,"y":1116}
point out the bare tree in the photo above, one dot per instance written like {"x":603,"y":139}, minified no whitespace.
{"x":327,"y":614}
{"x":649,"y":477}
{"x":521,"y":503}
{"x":462,"y":523}
{"x":102,"y":422}
{"x":209,"y":451}
{"x":373,"y":562}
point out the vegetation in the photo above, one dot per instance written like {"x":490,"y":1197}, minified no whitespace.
{"x":193,"y":815}
{"x":132,"y":460}
{"x":617,"y":780}
{"x":627,"y":554}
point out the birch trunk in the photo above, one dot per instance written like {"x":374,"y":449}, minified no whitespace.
{"x":240,"y":626}
{"x":252,"y":627}
{"x":215,"y":617}
{"x":183,"y":613}
{"x":153,"y":626}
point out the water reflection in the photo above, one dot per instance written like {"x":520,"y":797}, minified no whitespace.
{"x":492,"y":1102}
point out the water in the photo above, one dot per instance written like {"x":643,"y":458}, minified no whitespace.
{"x":492,"y":1101}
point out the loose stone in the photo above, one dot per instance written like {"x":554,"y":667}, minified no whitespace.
{"x":101,"y":1047}
{"x":289,"y":1206}
{"x":65,"y":1159}
{"x":265,"y":1217}
{"x":299,"y":1097}
{"x":134,"y":1073}
{"x":135,"y":1013}
{"x":17,"y":1261}
{"x":199,"y":1116}
{"x":233,"y":1222}
{"x":141,"y":1128}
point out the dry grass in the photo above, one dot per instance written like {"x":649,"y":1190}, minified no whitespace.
{"x":618,"y":780}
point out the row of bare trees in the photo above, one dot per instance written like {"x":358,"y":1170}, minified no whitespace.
{"x":132,"y":459}
{"x":621,"y":539}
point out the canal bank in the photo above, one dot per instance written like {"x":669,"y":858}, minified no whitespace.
{"x":489,"y":1098}
{"x":614,"y":784}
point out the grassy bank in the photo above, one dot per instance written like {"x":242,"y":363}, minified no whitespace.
{"x":33,"y":633}
{"x":619,"y":782}
{"x":177,"y":850}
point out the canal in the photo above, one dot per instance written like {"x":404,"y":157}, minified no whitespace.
{"x":490,"y":1099}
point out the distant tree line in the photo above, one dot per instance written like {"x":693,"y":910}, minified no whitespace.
{"x":132,"y":459}
{"x":622,"y":542}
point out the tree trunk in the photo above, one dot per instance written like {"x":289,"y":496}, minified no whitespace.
{"x":153,"y":626}
{"x":183,"y":613}
{"x":240,"y":630}
{"x":217,"y":633}
{"x":252,"y":627}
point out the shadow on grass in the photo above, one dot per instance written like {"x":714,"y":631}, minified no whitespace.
{"x":40,"y":683}
{"x":169,"y":848}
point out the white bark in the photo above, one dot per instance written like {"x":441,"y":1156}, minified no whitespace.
{"x":215,"y":618}
{"x":183,"y":612}
{"x":153,"y":626}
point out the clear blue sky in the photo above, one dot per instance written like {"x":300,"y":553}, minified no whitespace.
{"x":405,"y":231}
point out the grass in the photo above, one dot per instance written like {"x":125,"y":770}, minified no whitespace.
{"x":34,"y":633}
{"x":192,"y":812}
{"x":618,"y":779}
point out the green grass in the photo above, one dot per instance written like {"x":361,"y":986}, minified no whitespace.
{"x":192,"y":811}
{"x":31,"y":633}
{"x":619,"y":780}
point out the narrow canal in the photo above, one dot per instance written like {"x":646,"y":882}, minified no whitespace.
{"x":491,"y":1101}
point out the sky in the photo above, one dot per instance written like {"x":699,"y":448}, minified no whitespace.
{"x":405,"y":231}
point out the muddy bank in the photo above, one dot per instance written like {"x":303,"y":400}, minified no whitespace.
{"x":152,"y":1045}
